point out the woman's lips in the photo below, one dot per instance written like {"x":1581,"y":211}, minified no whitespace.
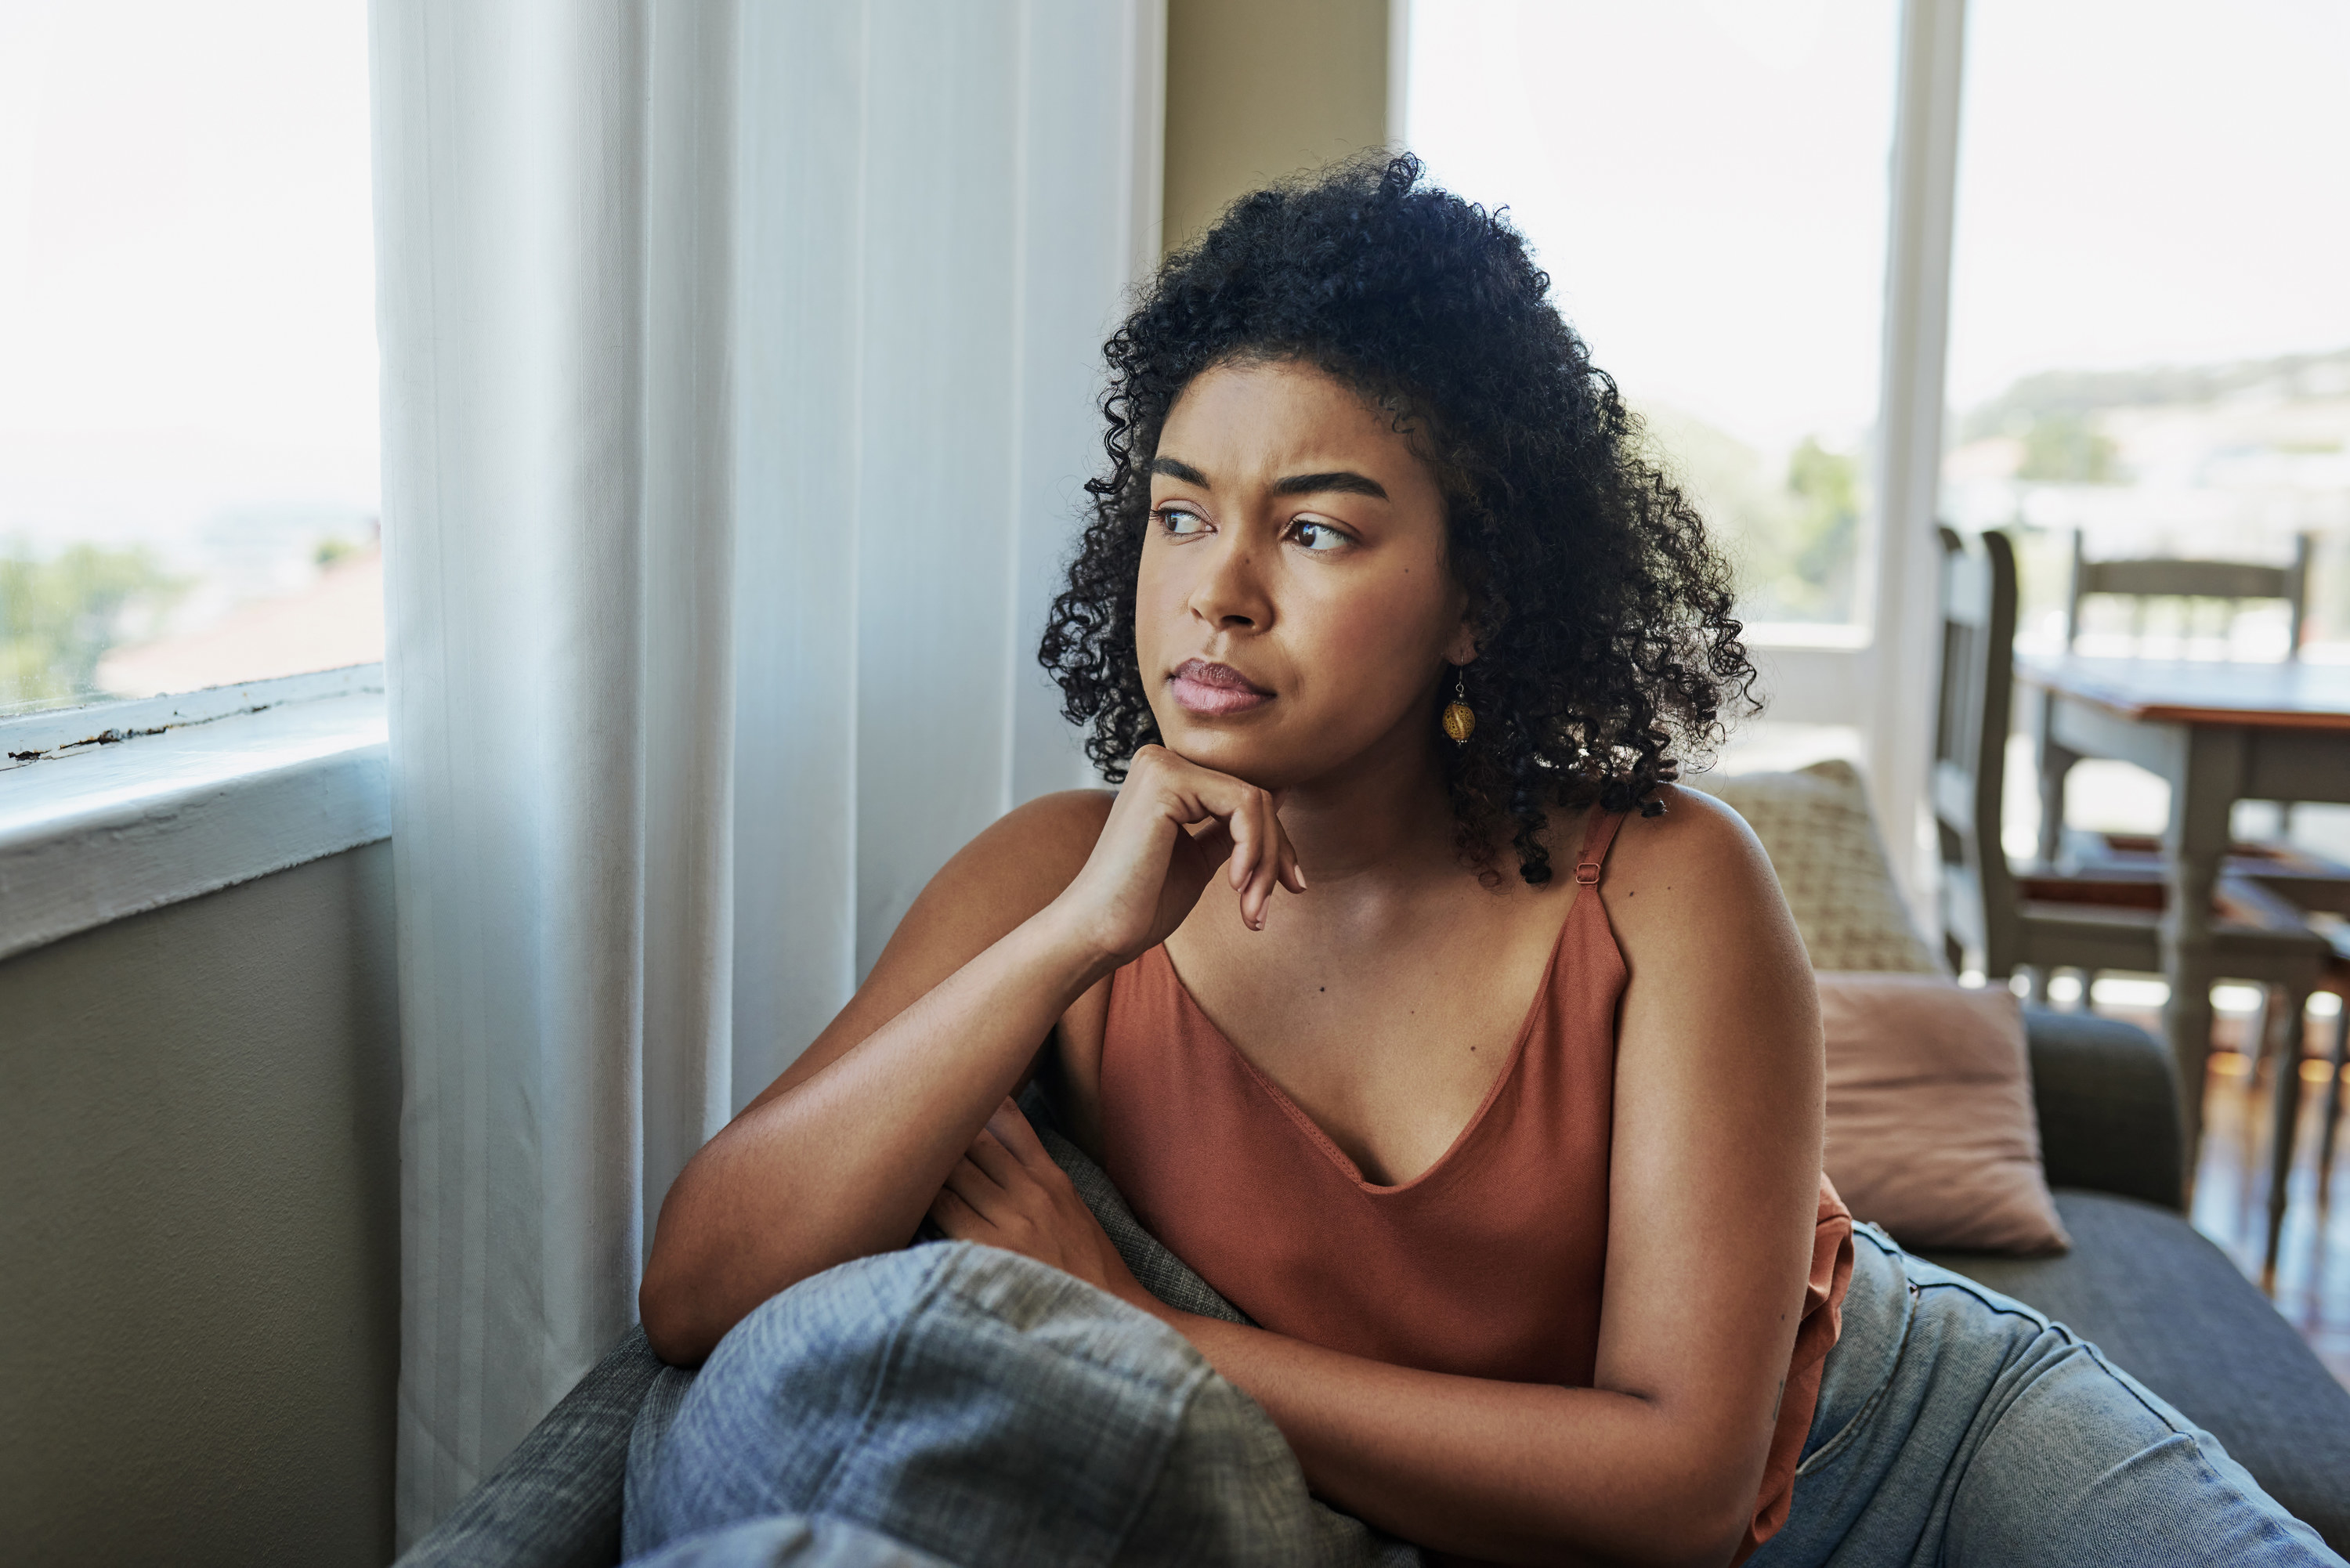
{"x":1215,"y":690}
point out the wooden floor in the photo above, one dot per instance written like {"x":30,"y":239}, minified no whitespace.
{"x":2312,"y":1287}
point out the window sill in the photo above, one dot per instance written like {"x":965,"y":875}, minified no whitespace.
{"x":111,"y":810}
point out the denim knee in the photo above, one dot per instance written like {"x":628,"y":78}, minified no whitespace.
{"x":989,"y":1409}
{"x":945,"y":1395}
{"x":788,"y":1542}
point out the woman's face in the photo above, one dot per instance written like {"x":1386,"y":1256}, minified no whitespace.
{"x":1295,"y":608}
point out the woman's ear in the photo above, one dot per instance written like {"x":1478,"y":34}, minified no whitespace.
{"x":1462,"y":649}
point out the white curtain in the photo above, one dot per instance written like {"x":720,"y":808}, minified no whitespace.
{"x":738,"y":362}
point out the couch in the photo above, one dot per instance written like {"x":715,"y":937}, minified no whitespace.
{"x":2164,"y":1302}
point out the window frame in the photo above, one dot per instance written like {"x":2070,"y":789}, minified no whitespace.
{"x":113,"y":808}
{"x":1882,"y":665}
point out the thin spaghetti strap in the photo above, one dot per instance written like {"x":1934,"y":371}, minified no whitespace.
{"x":1596,"y":838}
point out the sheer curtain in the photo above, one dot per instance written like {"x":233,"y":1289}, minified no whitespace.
{"x":738,"y":374}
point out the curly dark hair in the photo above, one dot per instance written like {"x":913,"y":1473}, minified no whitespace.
{"x":1606,"y":645}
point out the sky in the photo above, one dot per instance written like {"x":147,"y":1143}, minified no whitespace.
{"x":187,"y":315}
{"x":187,"y":322}
{"x":1705,"y":183}
{"x":2150,"y":182}
{"x":2140,"y":181}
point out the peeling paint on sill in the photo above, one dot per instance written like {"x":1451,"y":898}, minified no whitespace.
{"x":54,"y":733}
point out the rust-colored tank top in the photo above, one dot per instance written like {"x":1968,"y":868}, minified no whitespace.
{"x":1491,"y":1263}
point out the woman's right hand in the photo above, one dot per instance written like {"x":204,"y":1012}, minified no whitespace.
{"x":1174,"y":824}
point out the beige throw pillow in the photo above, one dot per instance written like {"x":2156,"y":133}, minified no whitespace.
{"x":1815,"y":827}
{"x":1930,"y":1127}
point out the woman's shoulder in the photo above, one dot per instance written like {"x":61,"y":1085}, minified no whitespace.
{"x":1695,"y":865}
{"x":1715,"y":963}
{"x":1044,"y":840}
{"x":1693,"y":832}
{"x":1018,"y":864}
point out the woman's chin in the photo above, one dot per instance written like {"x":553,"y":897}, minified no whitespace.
{"x":1243,"y":757}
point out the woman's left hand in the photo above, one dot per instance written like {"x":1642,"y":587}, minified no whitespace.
{"x":1005,"y":1191}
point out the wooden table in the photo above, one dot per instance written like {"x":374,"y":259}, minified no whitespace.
{"x":2218,"y":733}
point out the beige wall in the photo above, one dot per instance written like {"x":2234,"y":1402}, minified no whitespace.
{"x":1260,"y":88}
{"x":199,"y":1231}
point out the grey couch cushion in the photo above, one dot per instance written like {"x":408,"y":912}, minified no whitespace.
{"x":2170,"y":1309}
{"x":555,"y":1500}
{"x":2109,"y":1111}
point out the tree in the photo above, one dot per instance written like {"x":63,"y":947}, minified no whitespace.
{"x":58,"y":617}
{"x":1825,"y":531}
{"x":1792,"y":538}
{"x":2066,"y":449}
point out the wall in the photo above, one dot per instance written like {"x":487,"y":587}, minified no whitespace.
{"x":1260,"y":88}
{"x":199,"y":1230}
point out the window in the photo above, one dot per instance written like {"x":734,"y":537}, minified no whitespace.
{"x":188,"y":465}
{"x":2149,"y":329}
{"x":1707,"y":185}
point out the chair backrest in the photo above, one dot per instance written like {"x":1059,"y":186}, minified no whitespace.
{"x":1976,"y":890}
{"x":2177,"y":579}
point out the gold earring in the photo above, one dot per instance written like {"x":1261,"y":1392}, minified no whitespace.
{"x":1459,"y":719}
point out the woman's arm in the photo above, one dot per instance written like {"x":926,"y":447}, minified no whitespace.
{"x":839,"y":1157}
{"x":1713,"y":1191}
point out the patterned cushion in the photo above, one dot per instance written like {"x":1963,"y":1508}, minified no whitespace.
{"x":1816,"y":825}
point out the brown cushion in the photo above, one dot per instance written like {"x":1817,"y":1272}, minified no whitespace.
{"x":1815,"y":827}
{"x":1930,"y":1126}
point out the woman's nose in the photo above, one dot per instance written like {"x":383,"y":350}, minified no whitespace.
{"x":1231,"y":592}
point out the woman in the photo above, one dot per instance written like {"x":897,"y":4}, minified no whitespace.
{"x":1385,"y":621}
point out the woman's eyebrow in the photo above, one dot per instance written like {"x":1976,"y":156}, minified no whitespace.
{"x":1341,"y":482}
{"x":1338,"y":481}
{"x":1176,"y":468}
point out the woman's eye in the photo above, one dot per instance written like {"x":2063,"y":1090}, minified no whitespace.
{"x":1180,"y":522}
{"x":1318,"y":535}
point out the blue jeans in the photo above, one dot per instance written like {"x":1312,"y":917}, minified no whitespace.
{"x":1958,"y":1425}
{"x":954,"y":1404}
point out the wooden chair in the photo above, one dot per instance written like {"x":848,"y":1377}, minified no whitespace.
{"x":2311,"y":894}
{"x":2000,"y":923}
{"x":2230,"y":582}
{"x":2141,"y":581}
